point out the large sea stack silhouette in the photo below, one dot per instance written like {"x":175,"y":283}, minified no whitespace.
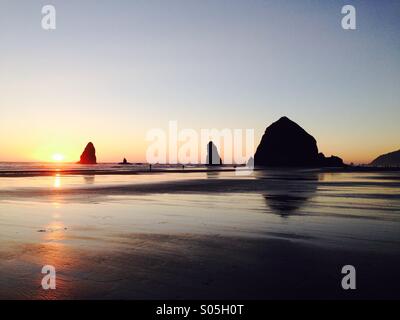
{"x":391,"y":159}
{"x":286,"y":144}
{"x":213,"y":158}
{"x":89,"y":155}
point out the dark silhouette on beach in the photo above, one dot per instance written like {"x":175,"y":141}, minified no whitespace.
{"x":89,"y":155}
{"x":286,"y":144}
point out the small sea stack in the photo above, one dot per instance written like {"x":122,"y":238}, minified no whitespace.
{"x":213,"y":158}
{"x":88,"y":155}
{"x":286,"y":144}
{"x":124,"y":162}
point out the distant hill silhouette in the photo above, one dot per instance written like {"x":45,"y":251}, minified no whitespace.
{"x":89,"y":155}
{"x":391,"y":159}
{"x":213,"y":158}
{"x":286,"y":144}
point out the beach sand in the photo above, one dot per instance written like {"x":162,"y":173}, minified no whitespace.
{"x":201,"y":235}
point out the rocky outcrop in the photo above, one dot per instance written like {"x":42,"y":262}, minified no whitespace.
{"x":213,"y":158}
{"x":125,"y":162}
{"x":331,"y":161}
{"x":88,"y":155}
{"x":286,"y":144}
{"x":391,"y":159}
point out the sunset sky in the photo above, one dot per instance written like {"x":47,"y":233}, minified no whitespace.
{"x":112,"y":70}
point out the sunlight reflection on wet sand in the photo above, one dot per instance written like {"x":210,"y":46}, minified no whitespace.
{"x":119,"y":243}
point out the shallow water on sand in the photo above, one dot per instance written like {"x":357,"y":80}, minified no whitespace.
{"x":273,"y":234}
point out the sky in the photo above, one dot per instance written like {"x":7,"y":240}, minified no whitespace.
{"x":113,"y":70}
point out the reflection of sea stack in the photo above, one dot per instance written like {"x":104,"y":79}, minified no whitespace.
{"x":213,"y":158}
{"x":290,"y":192}
{"x":391,"y":159}
{"x":286,"y":144}
{"x":89,"y":155}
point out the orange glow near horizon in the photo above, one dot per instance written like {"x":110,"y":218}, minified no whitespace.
{"x":62,"y":150}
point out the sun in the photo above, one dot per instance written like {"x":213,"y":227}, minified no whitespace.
{"x":58,"y":157}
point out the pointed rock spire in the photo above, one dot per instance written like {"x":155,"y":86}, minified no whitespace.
{"x":213,"y":158}
{"x":88,"y":155}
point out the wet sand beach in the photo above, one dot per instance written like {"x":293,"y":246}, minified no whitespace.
{"x":210,"y":235}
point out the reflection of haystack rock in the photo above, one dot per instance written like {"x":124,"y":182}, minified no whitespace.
{"x":89,"y":155}
{"x":290,"y":191}
{"x":213,"y":158}
{"x":286,"y":144}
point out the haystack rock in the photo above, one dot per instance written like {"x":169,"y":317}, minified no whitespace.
{"x":213,"y":158}
{"x":391,"y":159}
{"x":286,"y":144}
{"x":89,"y":155}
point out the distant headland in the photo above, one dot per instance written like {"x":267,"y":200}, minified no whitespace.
{"x":391,"y":159}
